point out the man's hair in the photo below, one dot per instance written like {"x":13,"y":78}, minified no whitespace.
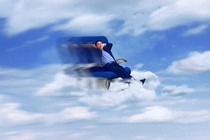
{"x":97,"y":42}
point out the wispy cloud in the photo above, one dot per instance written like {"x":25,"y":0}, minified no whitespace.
{"x":43,"y":38}
{"x":29,"y":43}
{"x":195,"y":31}
{"x":23,"y":135}
{"x":174,"y":90}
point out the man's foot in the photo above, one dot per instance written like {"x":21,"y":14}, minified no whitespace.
{"x":142,"y":81}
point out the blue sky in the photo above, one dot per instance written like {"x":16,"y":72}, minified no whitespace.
{"x":165,"y":41}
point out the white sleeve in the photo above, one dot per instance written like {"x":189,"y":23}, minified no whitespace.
{"x":104,"y":44}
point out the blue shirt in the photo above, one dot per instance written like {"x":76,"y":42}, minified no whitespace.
{"x":106,"y":57}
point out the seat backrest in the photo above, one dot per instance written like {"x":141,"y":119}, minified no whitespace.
{"x":87,"y":39}
{"x":80,"y":50}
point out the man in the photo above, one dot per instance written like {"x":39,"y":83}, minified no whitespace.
{"x":109,"y":61}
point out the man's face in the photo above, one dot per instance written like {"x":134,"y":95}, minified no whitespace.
{"x":99,"y":45}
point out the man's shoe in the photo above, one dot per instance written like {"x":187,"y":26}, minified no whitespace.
{"x":142,"y":81}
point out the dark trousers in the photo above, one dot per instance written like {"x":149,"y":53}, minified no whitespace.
{"x":118,"y":70}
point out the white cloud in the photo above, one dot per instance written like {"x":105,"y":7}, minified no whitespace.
{"x":76,"y":113}
{"x":174,"y":90}
{"x":152,"y":80}
{"x":195,"y":31}
{"x":11,"y":114}
{"x":139,"y":137}
{"x":42,"y":13}
{"x":152,"y":114}
{"x":52,"y":113}
{"x":192,"y":116}
{"x":96,"y":24}
{"x":39,"y":14}
{"x":164,"y":114}
{"x":49,"y":81}
{"x":195,"y":62}
{"x":59,"y":83}
{"x":27,"y":135}
{"x":22,"y":81}
{"x":136,"y":17}
{"x":202,"y":89}
{"x":1,"y":98}
{"x":179,"y":12}
{"x":30,"y":73}
{"x":138,"y":66}
{"x":90,"y":17}
{"x":6,"y":6}
{"x":77,"y":136}
{"x":63,"y":85}
{"x":114,"y":98}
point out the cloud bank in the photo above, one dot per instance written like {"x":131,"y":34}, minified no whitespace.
{"x":91,"y":17}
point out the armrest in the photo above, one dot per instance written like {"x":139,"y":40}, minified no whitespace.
{"x":121,"y":60}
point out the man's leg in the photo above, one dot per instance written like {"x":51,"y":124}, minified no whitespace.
{"x":119,"y":70}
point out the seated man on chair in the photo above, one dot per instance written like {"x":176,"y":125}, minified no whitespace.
{"x":110,"y":63}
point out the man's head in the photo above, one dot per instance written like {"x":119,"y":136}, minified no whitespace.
{"x":99,"y":44}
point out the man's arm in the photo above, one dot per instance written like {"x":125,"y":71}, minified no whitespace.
{"x":108,"y":47}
